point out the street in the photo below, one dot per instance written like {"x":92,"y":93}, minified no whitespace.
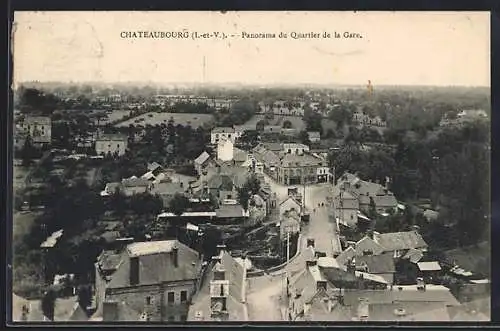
{"x":264,"y":292}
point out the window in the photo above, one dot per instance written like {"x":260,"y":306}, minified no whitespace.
{"x":183,"y":318}
{"x":171,"y":297}
{"x":148,"y":300}
{"x":117,"y":145}
{"x":171,"y":318}
{"x":183,"y":296}
{"x":229,"y":196}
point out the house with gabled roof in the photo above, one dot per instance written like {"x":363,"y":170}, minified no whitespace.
{"x":148,"y":281}
{"x":222,"y":296}
{"x":290,"y":204}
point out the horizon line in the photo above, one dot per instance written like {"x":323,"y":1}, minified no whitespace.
{"x":261,"y":85}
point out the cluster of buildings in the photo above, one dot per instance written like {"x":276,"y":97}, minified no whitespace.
{"x":360,"y":118}
{"x":217,"y":103}
{"x":360,"y":285}
{"x":464,"y":117}
{"x":354,"y":197}
{"x":292,"y":163}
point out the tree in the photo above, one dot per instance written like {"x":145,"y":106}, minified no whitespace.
{"x":304,"y":138}
{"x":260,"y":125}
{"x":27,"y":152}
{"x":244,"y":197}
{"x":84,"y":296}
{"x":179,"y":204}
{"x":48,"y":304}
{"x":287,"y":124}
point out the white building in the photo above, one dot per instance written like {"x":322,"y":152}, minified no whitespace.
{"x":296,"y":149}
{"x":39,"y":128}
{"x":113,"y":144}
{"x":225,"y":150}
{"x":222,"y":133}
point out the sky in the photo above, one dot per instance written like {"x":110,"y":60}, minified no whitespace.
{"x":396,"y":48}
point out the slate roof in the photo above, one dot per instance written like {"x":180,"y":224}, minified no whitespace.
{"x":202,"y":158}
{"x":221,"y":182}
{"x":230,"y":211}
{"x":408,"y":311}
{"x":377,"y":264}
{"x":414,"y":255}
{"x":167,"y":188}
{"x":156,"y":263}
{"x":293,"y":160}
{"x":235,"y":273}
{"x":400,"y":240}
{"x":134,"y":182}
{"x":433,"y":293}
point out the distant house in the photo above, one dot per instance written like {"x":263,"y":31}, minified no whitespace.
{"x":39,"y":128}
{"x":314,"y":136}
{"x":382,"y":265}
{"x":167,"y":190}
{"x":346,"y":208}
{"x":132,"y":186}
{"x":231,"y":212}
{"x":201,"y":162}
{"x":290,"y":205}
{"x":289,"y":223}
{"x":222,"y":133}
{"x":111,"y":144}
{"x":146,"y":281}
{"x":368,"y":193}
{"x":222,"y":296}
{"x":398,"y":243}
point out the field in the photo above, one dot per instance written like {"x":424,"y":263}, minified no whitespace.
{"x":116,"y":115}
{"x":195,"y":120}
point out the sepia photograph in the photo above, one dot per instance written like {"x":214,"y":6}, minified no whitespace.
{"x":243,"y":166}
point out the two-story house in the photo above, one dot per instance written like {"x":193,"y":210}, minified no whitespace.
{"x":397,"y":243}
{"x":146,"y":281}
{"x":346,"y":209}
{"x":222,"y":296}
{"x":111,"y":144}
{"x":222,"y":133}
{"x":38,"y":128}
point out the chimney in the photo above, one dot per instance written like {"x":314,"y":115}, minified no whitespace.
{"x":321,"y":285}
{"x":310,"y":242}
{"x":311,"y":263}
{"x":330,"y":305}
{"x":221,"y":248}
{"x":351,"y":266}
{"x":175,"y":256}
{"x":110,"y":311}
{"x":421,"y":284}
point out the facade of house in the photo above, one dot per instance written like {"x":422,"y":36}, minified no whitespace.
{"x":292,"y":164}
{"x":368,"y":193}
{"x":147,"y":281}
{"x":397,"y":243}
{"x":111,"y":144}
{"x":314,"y":136}
{"x":222,"y":296}
{"x":201,"y":162}
{"x":346,"y":209}
{"x":132,"y":186}
{"x":289,"y":223}
{"x":222,"y":133}
{"x":361,"y":118}
{"x":39,"y":128}
{"x":290,"y":205}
